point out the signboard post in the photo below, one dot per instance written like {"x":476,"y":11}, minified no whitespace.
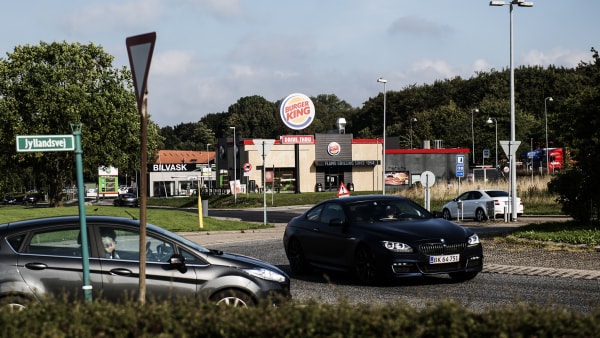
{"x":45,"y":143}
{"x":297,"y":112}
{"x":264,"y":147}
{"x":510,"y":148}
{"x":343,"y":190}
{"x":140,"y":49}
{"x":460,"y":169}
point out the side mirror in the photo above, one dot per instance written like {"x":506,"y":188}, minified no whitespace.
{"x":178,"y":262}
{"x":337,"y":222}
{"x":438,"y":214}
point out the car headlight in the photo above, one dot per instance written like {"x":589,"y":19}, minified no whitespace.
{"x":473,"y":239}
{"x":397,"y":246}
{"x":266,"y":274}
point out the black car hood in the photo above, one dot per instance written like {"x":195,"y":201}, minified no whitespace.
{"x":416,"y":229}
{"x":240,"y":261}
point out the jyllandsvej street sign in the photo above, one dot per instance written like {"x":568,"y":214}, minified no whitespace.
{"x":41,"y":143}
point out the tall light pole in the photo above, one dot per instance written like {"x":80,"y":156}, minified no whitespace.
{"x":493,"y":120}
{"x":234,"y":168}
{"x":513,"y":166}
{"x":549,"y":98}
{"x":414,"y":119}
{"x":473,"y":133}
{"x":208,"y":167}
{"x":384,"y":81}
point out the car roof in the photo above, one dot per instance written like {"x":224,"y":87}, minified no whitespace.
{"x":361,"y":198}
{"x":47,"y":221}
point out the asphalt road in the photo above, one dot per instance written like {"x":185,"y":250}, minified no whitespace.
{"x":511,"y":274}
{"x":488,"y":290}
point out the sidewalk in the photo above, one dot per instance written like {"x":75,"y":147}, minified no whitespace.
{"x":205,"y":238}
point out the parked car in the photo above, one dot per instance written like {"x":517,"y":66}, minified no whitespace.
{"x":9,"y":199}
{"x":30,"y":199}
{"x":43,"y":256}
{"x":379,"y":237}
{"x":480,"y":205}
{"x":127,"y":199}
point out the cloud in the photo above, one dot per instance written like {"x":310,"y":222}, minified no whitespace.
{"x":557,"y":56}
{"x":418,"y":26}
{"x":436,"y":68}
{"x":220,"y":9}
{"x":173,"y":63}
{"x":114,"y":16}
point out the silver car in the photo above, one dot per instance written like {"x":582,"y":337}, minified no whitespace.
{"x":480,"y":205}
{"x":43,"y":256}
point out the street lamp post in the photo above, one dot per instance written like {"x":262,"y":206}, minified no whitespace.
{"x":549,"y":98}
{"x":513,"y":166}
{"x":414,"y":119}
{"x":493,"y":120}
{"x":234,"y":168}
{"x":208,"y":167}
{"x":473,"y":133}
{"x":384,"y":81}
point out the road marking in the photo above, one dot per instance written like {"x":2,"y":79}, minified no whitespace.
{"x":539,"y":271}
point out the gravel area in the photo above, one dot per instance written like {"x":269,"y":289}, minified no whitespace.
{"x":499,"y":251}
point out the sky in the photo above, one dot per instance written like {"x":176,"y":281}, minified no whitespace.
{"x":211,"y":53}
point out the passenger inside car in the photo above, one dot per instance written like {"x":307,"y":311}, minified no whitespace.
{"x":109,"y":242}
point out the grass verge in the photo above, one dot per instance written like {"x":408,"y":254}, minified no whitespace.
{"x":175,"y":220}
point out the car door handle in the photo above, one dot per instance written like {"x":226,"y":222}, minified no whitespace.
{"x":36,"y":266}
{"x":121,"y":272}
{"x":316,"y":230}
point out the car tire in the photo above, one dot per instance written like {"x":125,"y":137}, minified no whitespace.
{"x":296,"y":257}
{"x":446,"y":214}
{"x":234,"y":298}
{"x":480,"y":215}
{"x":463,"y":276}
{"x":365,"y":265}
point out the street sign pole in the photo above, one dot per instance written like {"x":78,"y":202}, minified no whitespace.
{"x":87,"y":287}
{"x":264,"y":155}
{"x":140,"y":49}
{"x":45,"y":143}
{"x":510,"y":148}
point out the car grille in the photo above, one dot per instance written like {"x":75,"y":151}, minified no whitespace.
{"x":440,"y":268}
{"x":432,"y":249}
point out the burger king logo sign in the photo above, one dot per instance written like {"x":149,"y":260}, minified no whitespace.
{"x":297,"y":111}
{"x":334,"y":149}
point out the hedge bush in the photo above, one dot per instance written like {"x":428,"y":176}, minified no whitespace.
{"x":187,"y":318}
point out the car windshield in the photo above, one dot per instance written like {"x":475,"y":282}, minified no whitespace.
{"x":386,"y":210}
{"x":181,"y":239}
{"x":496,"y":193}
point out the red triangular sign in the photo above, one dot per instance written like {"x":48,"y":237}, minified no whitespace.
{"x":343,"y":191}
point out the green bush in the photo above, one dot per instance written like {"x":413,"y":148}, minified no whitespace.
{"x":187,"y":318}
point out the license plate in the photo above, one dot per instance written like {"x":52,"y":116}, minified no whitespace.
{"x":444,"y":259}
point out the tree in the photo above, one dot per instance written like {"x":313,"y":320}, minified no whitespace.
{"x":253,"y":117}
{"x":579,"y":188}
{"x":46,"y":88}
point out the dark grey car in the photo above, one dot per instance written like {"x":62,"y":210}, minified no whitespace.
{"x":126,"y":199}
{"x":43,"y":256}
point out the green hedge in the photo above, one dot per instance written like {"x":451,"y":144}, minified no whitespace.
{"x":190,"y":319}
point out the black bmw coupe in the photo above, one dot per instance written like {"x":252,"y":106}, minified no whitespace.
{"x":381,"y":237}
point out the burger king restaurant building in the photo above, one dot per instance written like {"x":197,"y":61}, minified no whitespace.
{"x":302,"y":163}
